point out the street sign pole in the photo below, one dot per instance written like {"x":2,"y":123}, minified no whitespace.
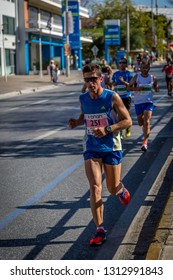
{"x":40,"y":54}
{"x":127,"y":32}
{"x":67,"y":41}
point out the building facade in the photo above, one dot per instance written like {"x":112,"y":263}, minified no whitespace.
{"x":39,"y":34}
{"x":7,"y":37}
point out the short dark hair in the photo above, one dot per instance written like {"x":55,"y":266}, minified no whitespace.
{"x":92,"y":68}
{"x":123,"y":58}
{"x":145,"y":61}
{"x":106,"y":69}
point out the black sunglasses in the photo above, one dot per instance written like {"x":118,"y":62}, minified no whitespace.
{"x":91,"y":79}
{"x":123,"y":62}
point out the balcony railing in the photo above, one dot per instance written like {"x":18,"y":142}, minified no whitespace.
{"x":56,"y":1}
{"x":34,"y":24}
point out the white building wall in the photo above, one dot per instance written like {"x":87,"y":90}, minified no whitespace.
{"x":7,"y":41}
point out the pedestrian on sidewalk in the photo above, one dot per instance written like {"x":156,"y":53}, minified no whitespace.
{"x":104,"y":115}
{"x":120,"y":80}
{"x":55,"y":74}
{"x":52,"y":70}
{"x":143,"y":84}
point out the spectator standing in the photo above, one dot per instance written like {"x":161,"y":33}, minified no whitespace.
{"x":52,"y":69}
{"x":55,"y":74}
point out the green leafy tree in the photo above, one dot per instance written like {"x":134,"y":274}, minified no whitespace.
{"x":140,"y":26}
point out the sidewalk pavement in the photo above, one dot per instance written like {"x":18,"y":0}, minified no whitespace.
{"x":20,"y":84}
{"x":161,"y":247}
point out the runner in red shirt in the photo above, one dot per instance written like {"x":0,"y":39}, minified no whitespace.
{"x":168,"y":69}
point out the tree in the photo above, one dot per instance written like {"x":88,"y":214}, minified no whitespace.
{"x":140,"y":26}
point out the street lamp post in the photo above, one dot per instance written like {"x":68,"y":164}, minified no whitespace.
{"x":67,"y":41}
{"x":40,"y":54}
{"x":128,"y":31}
{"x":152,"y":28}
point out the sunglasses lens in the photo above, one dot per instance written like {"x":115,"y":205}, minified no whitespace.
{"x":92,"y":79}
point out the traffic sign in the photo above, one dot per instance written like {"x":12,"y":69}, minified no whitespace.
{"x":95,"y":50}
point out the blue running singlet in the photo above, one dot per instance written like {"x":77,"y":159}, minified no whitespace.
{"x":99,"y":112}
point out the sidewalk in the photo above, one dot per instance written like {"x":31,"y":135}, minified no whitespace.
{"x":161,"y":247}
{"x":19,"y":84}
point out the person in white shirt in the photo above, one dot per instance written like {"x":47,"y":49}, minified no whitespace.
{"x":143,"y":84}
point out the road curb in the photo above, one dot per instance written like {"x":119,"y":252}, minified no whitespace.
{"x":37,"y":89}
{"x":161,"y":235}
{"x":25,"y":91}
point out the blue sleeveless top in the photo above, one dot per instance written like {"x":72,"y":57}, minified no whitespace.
{"x":120,"y":88}
{"x":100,"y":112}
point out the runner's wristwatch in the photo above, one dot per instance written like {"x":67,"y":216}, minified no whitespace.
{"x":108,"y":129}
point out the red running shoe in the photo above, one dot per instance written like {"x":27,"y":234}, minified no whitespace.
{"x":124,"y":197}
{"x":99,"y":237}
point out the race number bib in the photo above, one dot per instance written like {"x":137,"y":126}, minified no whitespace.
{"x":95,"y":120}
{"x":146,"y":89}
{"x":121,"y":89}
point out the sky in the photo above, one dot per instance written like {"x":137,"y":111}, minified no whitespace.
{"x":160,"y":3}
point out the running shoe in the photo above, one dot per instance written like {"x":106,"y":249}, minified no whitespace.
{"x":124,"y":196}
{"x":128,"y":132}
{"x":144,"y":147}
{"x":99,"y":237}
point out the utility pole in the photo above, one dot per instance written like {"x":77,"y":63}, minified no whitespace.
{"x":156,"y":8}
{"x":127,"y":31}
{"x":40,"y":53}
{"x":40,"y":46}
{"x":152,"y":28}
{"x":17,"y":36}
{"x":67,"y":41}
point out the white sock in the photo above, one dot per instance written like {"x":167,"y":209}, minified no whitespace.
{"x":102,"y":227}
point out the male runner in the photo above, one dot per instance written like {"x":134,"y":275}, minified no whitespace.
{"x":104,"y":115}
{"x":120,"y":81}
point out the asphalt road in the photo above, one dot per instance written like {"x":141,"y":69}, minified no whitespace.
{"x":44,"y":204}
